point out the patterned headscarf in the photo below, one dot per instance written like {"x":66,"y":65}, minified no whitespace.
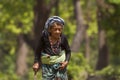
{"x":53,"y":19}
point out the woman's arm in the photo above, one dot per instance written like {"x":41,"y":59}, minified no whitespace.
{"x":67,"y":48}
{"x":38,"y":49}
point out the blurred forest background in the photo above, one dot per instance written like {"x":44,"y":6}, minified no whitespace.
{"x":92,"y":28}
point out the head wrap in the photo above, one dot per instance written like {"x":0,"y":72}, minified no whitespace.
{"x":53,"y":19}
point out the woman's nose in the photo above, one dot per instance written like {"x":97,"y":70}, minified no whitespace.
{"x":57,"y":31}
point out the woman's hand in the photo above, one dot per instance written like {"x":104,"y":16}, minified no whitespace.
{"x":63,"y":64}
{"x":36,"y":66}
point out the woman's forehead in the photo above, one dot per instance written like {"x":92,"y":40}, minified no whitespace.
{"x":57,"y":26}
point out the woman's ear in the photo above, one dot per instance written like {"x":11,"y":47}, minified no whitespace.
{"x":49,"y":31}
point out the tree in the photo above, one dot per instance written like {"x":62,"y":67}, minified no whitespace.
{"x":21,"y":62}
{"x":80,"y":30}
{"x":42,"y":11}
{"x":103,"y":48}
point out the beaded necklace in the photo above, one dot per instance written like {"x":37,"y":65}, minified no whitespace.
{"x":55,"y":46}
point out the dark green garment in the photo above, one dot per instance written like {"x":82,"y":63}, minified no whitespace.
{"x":50,"y":67}
{"x":50,"y":73}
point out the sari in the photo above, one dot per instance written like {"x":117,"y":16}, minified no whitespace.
{"x":50,"y":67}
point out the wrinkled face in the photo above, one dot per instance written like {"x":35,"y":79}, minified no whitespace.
{"x":56,"y":30}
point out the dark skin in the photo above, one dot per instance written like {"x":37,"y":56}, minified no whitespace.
{"x":55,"y":31}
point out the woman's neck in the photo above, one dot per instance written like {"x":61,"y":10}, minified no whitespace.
{"x":53,"y":39}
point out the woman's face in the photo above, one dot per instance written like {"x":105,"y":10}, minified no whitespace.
{"x":56,"y":30}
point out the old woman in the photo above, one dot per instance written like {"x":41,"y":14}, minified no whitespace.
{"x":52,"y":53}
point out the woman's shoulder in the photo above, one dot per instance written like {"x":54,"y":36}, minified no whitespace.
{"x":63,"y":37}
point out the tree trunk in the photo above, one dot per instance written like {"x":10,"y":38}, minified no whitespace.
{"x":103,"y":51}
{"x":80,"y":30}
{"x":21,"y":64}
{"x":57,"y":7}
{"x":103,"y":48}
{"x":41,"y":13}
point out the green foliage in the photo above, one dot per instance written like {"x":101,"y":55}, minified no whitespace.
{"x":115,"y":1}
{"x":7,"y":71}
{"x":111,"y":24}
{"x":78,"y":68}
{"x":16,"y":17}
{"x":15,"y":14}
{"x":110,"y":73}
